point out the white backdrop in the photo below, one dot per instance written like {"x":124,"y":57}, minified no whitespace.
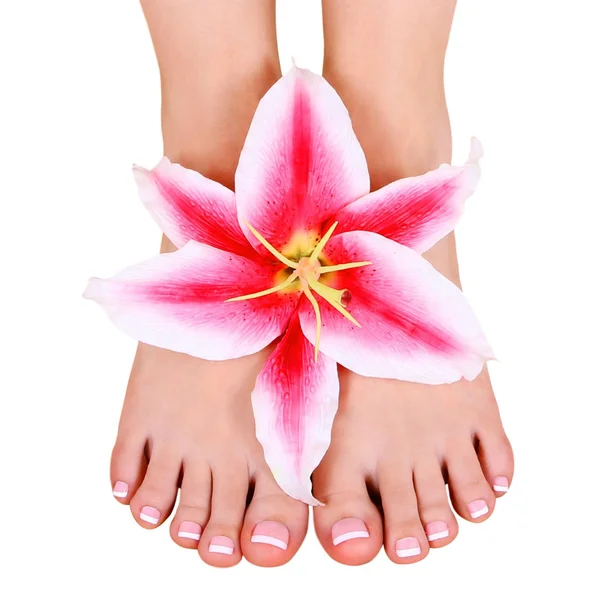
{"x":80,"y":103}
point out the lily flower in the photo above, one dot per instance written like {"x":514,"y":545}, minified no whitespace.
{"x":302,"y":253}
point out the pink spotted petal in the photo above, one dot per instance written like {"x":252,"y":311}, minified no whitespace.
{"x":177,"y":301}
{"x":294,"y":401}
{"x":417,"y":211}
{"x":415,"y":324}
{"x":301,"y":162}
{"x":188,"y":206}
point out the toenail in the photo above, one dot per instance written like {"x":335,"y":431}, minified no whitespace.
{"x":120,"y":489}
{"x":272,"y":533}
{"x":189,"y":530}
{"x":348,"y":529}
{"x":407,"y":547}
{"x":150,"y":515}
{"x":477,"y":509}
{"x":437,"y":530}
{"x":501,"y":484}
{"x":222,"y":545}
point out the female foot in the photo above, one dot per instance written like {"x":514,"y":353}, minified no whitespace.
{"x":395,"y":445}
{"x":187,"y":423}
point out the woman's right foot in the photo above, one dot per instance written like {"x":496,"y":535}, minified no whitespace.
{"x":187,"y":423}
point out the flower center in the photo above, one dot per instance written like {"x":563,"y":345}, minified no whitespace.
{"x":308,"y":270}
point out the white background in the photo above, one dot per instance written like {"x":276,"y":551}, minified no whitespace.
{"x":80,"y":103}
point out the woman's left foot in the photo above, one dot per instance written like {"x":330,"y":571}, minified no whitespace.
{"x":395,"y":446}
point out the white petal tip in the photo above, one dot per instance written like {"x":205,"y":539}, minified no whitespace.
{"x":476,"y":152}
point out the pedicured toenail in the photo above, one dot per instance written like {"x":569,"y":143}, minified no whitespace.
{"x":189,"y":530}
{"x":150,"y":515}
{"x":271,"y":533}
{"x":407,"y":547}
{"x":120,"y":489}
{"x":477,"y":509}
{"x":501,"y":484}
{"x":222,"y":545}
{"x":437,"y":530}
{"x":348,"y":529}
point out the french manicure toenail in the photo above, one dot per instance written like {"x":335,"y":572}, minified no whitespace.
{"x":436,"y":530}
{"x":501,"y":484}
{"x":120,"y":489}
{"x":150,"y":515}
{"x":348,"y":529}
{"x":189,"y":530}
{"x":222,"y":545}
{"x":477,"y":509}
{"x":407,"y":547}
{"x":271,"y":533}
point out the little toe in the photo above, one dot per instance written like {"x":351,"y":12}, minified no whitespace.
{"x":436,"y":515}
{"x":194,"y":505}
{"x":275,"y":524}
{"x":472,"y":497}
{"x":127,"y":467}
{"x":220,"y":541}
{"x":405,"y":540}
{"x":349,"y":524}
{"x":496,"y":458}
{"x":154,"y":500}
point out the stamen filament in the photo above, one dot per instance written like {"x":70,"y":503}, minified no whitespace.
{"x":272,"y":290}
{"x":317,"y":310}
{"x":284,"y":259}
{"x":333,"y":297}
{"x":354,"y":265}
{"x":315,"y":255}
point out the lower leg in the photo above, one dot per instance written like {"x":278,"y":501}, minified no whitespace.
{"x":180,"y":413}
{"x":386,"y":60}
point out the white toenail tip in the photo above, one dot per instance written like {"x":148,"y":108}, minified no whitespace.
{"x":501,"y":488}
{"x":216,"y":549}
{"x":408,"y":552}
{"x":120,"y":494}
{"x":438,"y":536}
{"x":148,"y":519}
{"x":267,"y":539}
{"x":188,"y":536}
{"x":479,"y":513}
{"x":351,"y":535}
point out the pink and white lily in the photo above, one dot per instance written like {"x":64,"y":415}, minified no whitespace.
{"x":302,"y":253}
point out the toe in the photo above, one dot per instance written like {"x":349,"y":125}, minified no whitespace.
{"x":194,"y":505}
{"x":404,"y":537}
{"x":127,"y":467}
{"x":154,"y":500}
{"x":349,"y":525}
{"x":436,"y":515}
{"x":220,"y":542}
{"x":275,"y":524}
{"x":472,"y":497}
{"x":496,"y":458}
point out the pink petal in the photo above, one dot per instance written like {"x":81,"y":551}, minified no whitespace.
{"x":177,"y":301}
{"x":417,"y":211}
{"x":188,"y":206}
{"x":415,"y":324}
{"x":294,"y":401}
{"x":301,"y":162}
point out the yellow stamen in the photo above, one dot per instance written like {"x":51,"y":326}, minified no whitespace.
{"x":284,"y":259}
{"x":315,"y":255}
{"x":334,"y":298}
{"x":343,"y":267}
{"x":317,"y":310}
{"x":272,"y":290}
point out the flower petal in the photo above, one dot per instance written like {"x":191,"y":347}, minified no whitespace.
{"x":188,"y":206}
{"x":295,"y":401}
{"x":417,"y":211}
{"x":301,"y":162}
{"x":415,"y":324}
{"x":177,"y":301}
